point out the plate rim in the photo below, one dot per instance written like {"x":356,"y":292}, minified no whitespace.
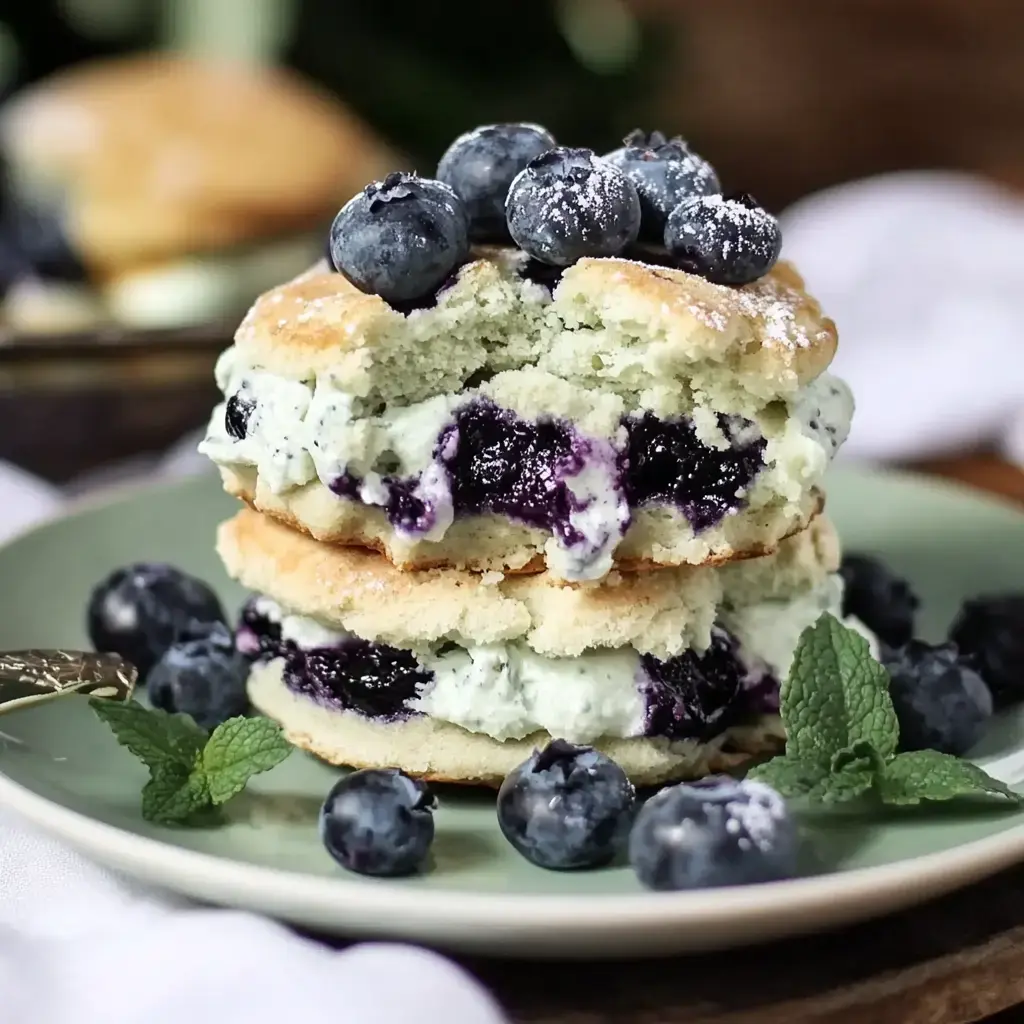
{"x":452,"y":916}
{"x":930,"y":874}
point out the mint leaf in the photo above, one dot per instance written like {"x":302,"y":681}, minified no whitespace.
{"x":836,"y":696}
{"x":239,"y":749}
{"x":853,"y":772}
{"x":174,"y":795}
{"x":789,"y":775}
{"x":158,"y":739}
{"x":191,"y":772}
{"x":927,"y":775}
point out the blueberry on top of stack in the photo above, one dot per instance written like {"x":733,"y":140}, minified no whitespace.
{"x":540,"y":359}
{"x":537,"y":455}
{"x":402,"y":238}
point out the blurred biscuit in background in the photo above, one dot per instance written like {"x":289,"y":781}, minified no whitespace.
{"x":163,"y":191}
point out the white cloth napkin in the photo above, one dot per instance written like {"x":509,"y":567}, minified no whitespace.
{"x":79,"y":945}
{"x":922,"y":273}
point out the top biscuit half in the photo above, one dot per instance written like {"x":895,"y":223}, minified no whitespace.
{"x":527,"y":417}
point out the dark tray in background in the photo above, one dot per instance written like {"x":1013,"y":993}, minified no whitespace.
{"x":71,"y":403}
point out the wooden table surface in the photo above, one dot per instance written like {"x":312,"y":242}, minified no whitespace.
{"x":957,"y":959}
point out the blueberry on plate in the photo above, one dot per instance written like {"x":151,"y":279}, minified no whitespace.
{"x":941,"y":703}
{"x":566,"y":807}
{"x":138,"y":611}
{"x":726,"y":239}
{"x":714,"y":832}
{"x":400,"y":238}
{"x":879,"y":598}
{"x":203,"y":677}
{"x":568,"y":203}
{"x":378,"y":821}
{"x":989,"y":631}
{"x":665,"y":172}
{"x":481,"y":165}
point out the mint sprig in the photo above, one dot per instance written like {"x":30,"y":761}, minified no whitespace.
{"x":190,"y":770}
{"x":842,"y":733}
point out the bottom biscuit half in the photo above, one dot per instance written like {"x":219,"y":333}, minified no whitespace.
{"x":442,"y":752}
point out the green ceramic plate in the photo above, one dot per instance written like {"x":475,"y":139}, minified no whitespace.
{"x":63,"y":769}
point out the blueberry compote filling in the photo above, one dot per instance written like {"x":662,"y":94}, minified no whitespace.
{"x":666,"y":463}
{"x":371,"y":679}
{"x":697,"y":696}
{"x":499,"y":463}
{"x":496,"y":462}
{"x":257,"y":634}
{"x":692,"y":696}
{"x":407,"y":512}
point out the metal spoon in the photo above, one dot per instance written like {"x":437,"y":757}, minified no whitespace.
{"x":30,"y":677}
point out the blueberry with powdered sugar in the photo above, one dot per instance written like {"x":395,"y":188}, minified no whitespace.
{"x":481,"y":165}
{"x":665,"y":172}
{"x":714,"y":832}
{"x":400,"y":238}
{"x":568,"y":204}
{"x":726,"y":239}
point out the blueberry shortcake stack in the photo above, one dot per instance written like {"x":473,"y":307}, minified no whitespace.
{"x":537,"y":451}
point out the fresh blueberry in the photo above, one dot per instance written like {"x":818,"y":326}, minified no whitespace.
{"x":378,"y":821}
{"x":400,"y":238}
{"x":568,"y":203}
{"x":566,"y":807}
{"x":481,"y":166}
{"x":941,"y":703}
{"x":203,"y":677}
{"x":665,"y":172}
{"x":714,"y":832}
{"x":989,"y":632}
{"x":727,"y":239}
{"x":140,"y":610}
{"x":236,"y":415}
{"x":878,"y":597}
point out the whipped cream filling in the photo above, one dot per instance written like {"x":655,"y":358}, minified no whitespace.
{"x":402,"y":459}
{"x":508,"y":691}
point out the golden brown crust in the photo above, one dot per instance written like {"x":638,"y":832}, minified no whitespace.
{"x":660,"y":612}
{"x":440,"y":752}
{"x":771,"y":328}
{"x":166,"y":155}
{"x":492,"y":543}
{"x":321,"y":323}
{"x":770,"y":334}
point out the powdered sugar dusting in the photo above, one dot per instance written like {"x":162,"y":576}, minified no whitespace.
{"x":758,"y":816}
{"x":594,"y":195}
{"x":772,"y":304}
